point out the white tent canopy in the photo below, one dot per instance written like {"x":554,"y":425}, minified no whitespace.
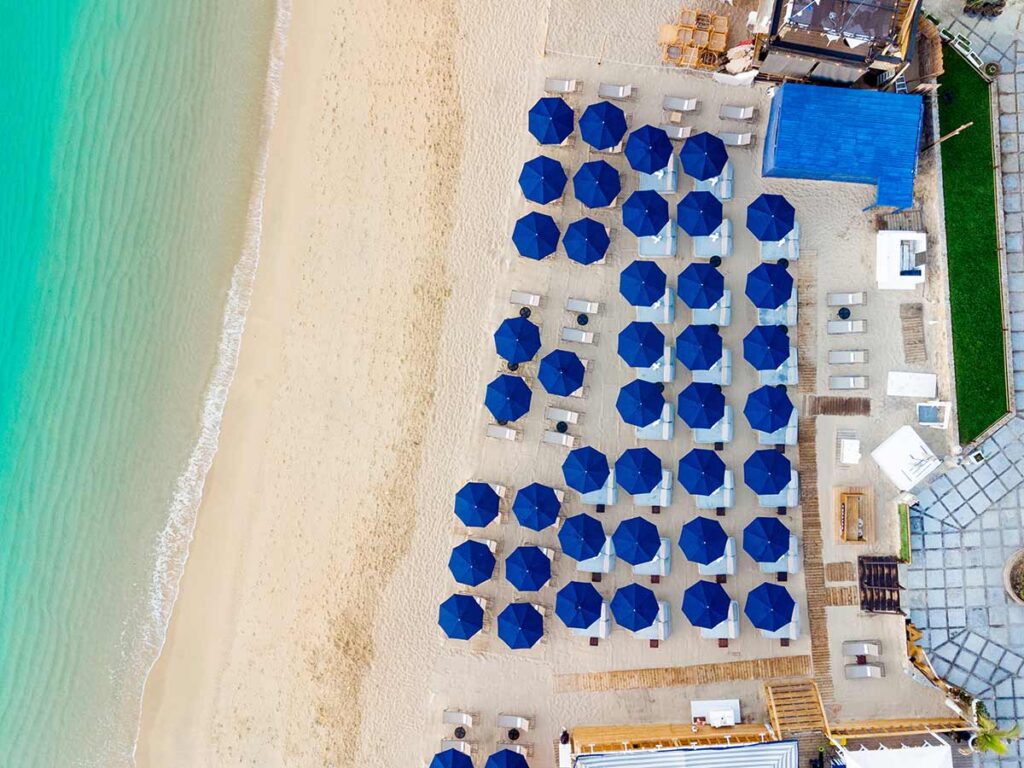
{"x":899,"y":259}
{"x":905,"y":458}
{"x":926,"y":756}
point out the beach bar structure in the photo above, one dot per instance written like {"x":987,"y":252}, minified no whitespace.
{"x":848,"y":135}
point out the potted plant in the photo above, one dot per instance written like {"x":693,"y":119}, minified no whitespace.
{"x":989,"y":737}
{"x":1013,"y":577}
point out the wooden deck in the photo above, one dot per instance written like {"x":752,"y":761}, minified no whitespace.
{"x":904,"y":726}
{"x":620,"y":738}
{"x":697,"y":674}
{"x":795,"y":707}
{"x":912,"y":324}
{"x":845,"y":571}
{"x":837,"y":596}
{"x":833,"y":405}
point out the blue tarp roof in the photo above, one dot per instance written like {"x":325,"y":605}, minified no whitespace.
{"x":843,"y":134}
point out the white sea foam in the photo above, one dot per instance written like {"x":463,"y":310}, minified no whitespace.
{"x":173,"y":543}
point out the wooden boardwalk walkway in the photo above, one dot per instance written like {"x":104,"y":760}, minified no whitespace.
{"x":844,"y":571}
{"x":912,"y":322}
{"x":842,"y":596}
{"x":833,"y":405}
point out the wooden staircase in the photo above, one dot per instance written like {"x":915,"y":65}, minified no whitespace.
{"x":794,"y":706}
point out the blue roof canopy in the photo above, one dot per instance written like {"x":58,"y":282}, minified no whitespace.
{"x":845,"y":134}
{"x":701,"y":405}
{"x":706,"y":604}
{"x":596,"y":184}
{"x":578,"y":604}
{"x":476,"y":504}
{"x":536,"y":506}
{"x":586,"y":241}
{"x":551,"y":120}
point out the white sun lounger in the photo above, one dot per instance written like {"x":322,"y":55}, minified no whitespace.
{"x":523,"y":748}
{"x":731,"y":139}
{"x":602,"y":562}
{"x":784,"y":435}
{"x":564,"y":439}
{"x":665,"y":181}
{"x":735,"y":112}
{"x":721,"y":432}
{"x":846,"y":299}
{"x":719,"y":373}
{"x":559,"y":85}
{"x":864,"y":671}
{"x":677,"y":132}
{"x":723,"y":566}
{"x":788,"y":373}
{"x":577,"y":336}
{"x":659,"y":246}
{"x":606,"y":494}
{"x":660,"y":565}
{"x":661,"y":312}
{"x":659,"y":496}
{"x":847,"y":382}
{"x":499,"y":432}
{"x":836,"y":327}
{"x":720,"y":313}
{"x":660,"y":629}
{"x":561,"y":414}
{"x":787,"y":497}
{"x":499,"y":489}
{"x":600,"y":629}
{"x":787,"y":248}
{"x":720,"y":186}
{"x":789,"y":562}
{"x":518,"y":722}
{"x":617,"y":92}
{"x":662,"y":371}
{"x":847,"y":356}
{"x":583,"y":306}
{"x":726,"y":630}
{"x":453,"y":717}
{"x":680,"y":104}
{"x":662,"y":429}
{"x":723,"y":498}
{"x":784,"y":315}
{"x":862,"y":648}
{"x":525,"y":299}
{"x":789,"y":632}
{"x":718,"y":243}
{"x":459,"y":745}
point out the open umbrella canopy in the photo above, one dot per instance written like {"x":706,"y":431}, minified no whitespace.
{"x":506,"y":758}
{"x":536,"y":235}
{"x":645,"y":213}
{"x":701,"y":405}
{"x":536,"y":506}
{"x":636,"y":540}
{"x":585,"y":469}
{"x":700,"y":285}
{"x":551,"y":120}
{"x":701,"y":472}
{"x":769,"y":607}
{"x":770,"y":217}
{"x":517,"y":339}
{"x":638,"y":470}
{"x":699,"y":213}
{"x":641,"y":344}
{"x":508,"y":398}
{"x":596,"y":184}
{"x":578,"y":604}
{"x":542,"y":179}
{"x":766,"y":347}
{"x":766,"y":539}
{"x":634,"y":607}
{"x":527,"y":568}
{"x":648,"y":149}
{"x":767,"y":471}
{"x":471,"y":563}
{"x":703,"y":156}
{"x":768,"y":408}
{"x":703,"y":540}
{"x":461,"y":617}
{"x":706,"y":604}
{"x":640,"y":403}
{"x":451,"y":758}
{"x":561,"y":372}
{"x":642,"y":283}
{"x":586,"y":241}
{"x":769,"y":285}
{"x":699,"y":347}
{"x":476,"y":504}
{"x":520,"y":625}
{"x":581,"y":537}
{"x":603,"y":125}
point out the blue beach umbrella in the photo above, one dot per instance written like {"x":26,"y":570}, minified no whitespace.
{"x":471,"y":563}
{"x":551,"y":120}
{"x":596,"y":184}
{"x":767,"y":472}
{"x":542,"y":179}
{"x":476,"y":504}
{"x":506,"y":758}
{"x":585,"y":469}
{"x":520,"y":625}
{"x":536,"y":235}
{"x":700,"y":286}
{"x":578,"y":604}
{"x":699,"y":347}
{"x":648,"y":149}
{"x":636,"y":540}
{"x":766,"y":539}
{"x":603,"y":125}
{"x":766,"y":347}
{"x":769,"y":607}
{"x":768,"y":408}
{"x":699,"y":213}
{"x":645,"y":213}
{"x":641,"y":344}
{"x":703,"y":540}
{"x":634,"y":607}
{"x":770,"y":217}
{"x":561,"y":372}
{"x":638,"y":470}
{"x":701,"y":405}
{"x":517,"y":339}
{"x":706,"y":604}
{"x":640,"y":403}
{"x":527,"y":568}
{"x":508,"y":398}
{"x":461,"y":617}
{"x":642,"y":283}
{"x":451,"y":758}
{"x":769,"y":285}
{"x":586,"y":241}
{"x":581,"y":537}
{"x":701,"y":472}
{"x":536,"y":506}
{"x":703,"y":156}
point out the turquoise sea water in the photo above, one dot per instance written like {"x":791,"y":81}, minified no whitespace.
{"x":129,"y":135}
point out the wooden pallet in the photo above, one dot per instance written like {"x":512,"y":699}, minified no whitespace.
{"x":912,"y":324}
{"x":806,"y":332}
{"x":833,"y":405}
{"x":840,"y":596}
{"x":795,"y":707}
{"x":845,"y":571}
{"x":697,"y":674}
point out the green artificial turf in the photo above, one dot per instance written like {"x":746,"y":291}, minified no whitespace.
{"x":972,"y":247}
{"x":904,"y":514}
